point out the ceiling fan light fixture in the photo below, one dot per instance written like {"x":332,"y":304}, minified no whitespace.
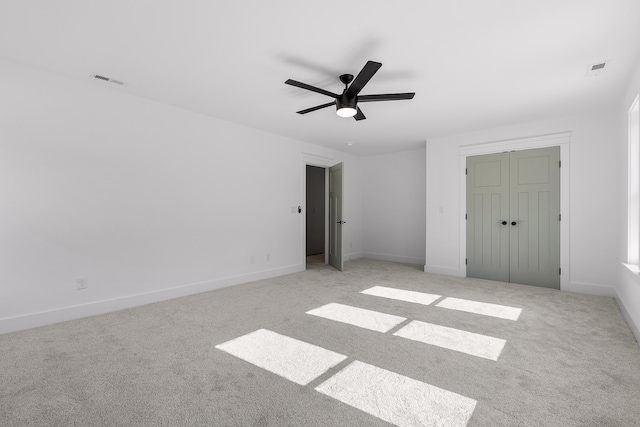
{"x":346,"y":112}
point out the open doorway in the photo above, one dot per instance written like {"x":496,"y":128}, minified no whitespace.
{"x":315,"y":215}
{"x":322,"y":193}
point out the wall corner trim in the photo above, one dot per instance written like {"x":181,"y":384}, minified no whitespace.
{"x":539,"y":141}
{"x":590,"y":289}
{"x":317,"y":159}
{"x":635,"y":328}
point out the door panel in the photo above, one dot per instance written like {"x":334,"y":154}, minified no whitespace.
{"x":535,"y":206}
{"x":336,"y":187}
{"x":488,"y":206}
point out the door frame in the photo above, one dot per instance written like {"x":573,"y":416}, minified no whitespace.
{"x":309,"y":159}
{"x":561,"y":140}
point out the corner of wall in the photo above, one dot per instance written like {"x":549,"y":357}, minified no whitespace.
{"x":628,"y":298}
{"x":589,"y":289}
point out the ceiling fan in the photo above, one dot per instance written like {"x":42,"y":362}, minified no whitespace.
{"x":347,"y":103}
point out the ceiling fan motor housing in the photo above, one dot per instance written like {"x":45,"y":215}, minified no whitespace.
{"x":345,"y":102}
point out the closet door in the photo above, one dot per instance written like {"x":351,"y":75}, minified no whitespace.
{"x":487,"y":217}
{"x":513,"y":217}
{"x":535,"y":217}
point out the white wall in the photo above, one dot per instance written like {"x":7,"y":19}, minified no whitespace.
{"x":393,"y":188}
{"x":628,"y":284}
{"x":592,"y":241}
{"x":145,"y":200}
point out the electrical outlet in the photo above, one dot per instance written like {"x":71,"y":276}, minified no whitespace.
{"x":81,"y":283}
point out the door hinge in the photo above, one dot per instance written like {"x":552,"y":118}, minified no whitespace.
{"x":465,"y":261}
{"x":559,"y":217}
{"x":560,"y":271}
{"x":465,"y":216}
{"x":559,"y":163}
{"x":465,"y":171}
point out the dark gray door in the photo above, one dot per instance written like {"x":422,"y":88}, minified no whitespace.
{"x":315,"y":216}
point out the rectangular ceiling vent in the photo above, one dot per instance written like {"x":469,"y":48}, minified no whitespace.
{"x":597,"y":69}
{"x":107,"y":79}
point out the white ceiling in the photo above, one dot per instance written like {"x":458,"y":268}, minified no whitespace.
{"x":472,"y":64}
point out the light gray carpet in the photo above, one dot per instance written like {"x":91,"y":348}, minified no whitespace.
{"x":569,"y":360}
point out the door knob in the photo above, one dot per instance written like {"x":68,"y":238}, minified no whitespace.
{"x":341,"y":222}
{"x":513,"y":223}
{"x":504,"y":222}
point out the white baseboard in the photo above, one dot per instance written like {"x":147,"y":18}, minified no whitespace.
{"x":393,"y":258}
{"x":590,"y":289}
{"x":445,"y":271}
{"x":350,"y":257}
{"x":33,"y":320}
{"x":633,"y":325}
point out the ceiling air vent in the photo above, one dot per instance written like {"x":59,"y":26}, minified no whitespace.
{"x":597,"y":69}
{"x":107,"y":79}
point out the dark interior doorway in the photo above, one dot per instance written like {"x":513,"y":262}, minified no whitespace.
{"x":315,"y":210}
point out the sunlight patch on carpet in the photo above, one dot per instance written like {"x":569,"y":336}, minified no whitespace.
{"x":453,"y":339}
{"x":367,"y":319}
{"x":401,"y":295}
{"x":397,"y":399}
{"x":486,"y":309}
{"x":287,"y":357}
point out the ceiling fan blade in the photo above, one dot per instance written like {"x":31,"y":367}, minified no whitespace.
{"x":308,"y":110}
{"x":369,"y":69}
{"x":359,"y":115}
{"x":311,"y":88}
{"x":386,"y":97}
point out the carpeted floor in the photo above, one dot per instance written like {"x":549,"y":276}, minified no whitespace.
{"x":568,"y":360}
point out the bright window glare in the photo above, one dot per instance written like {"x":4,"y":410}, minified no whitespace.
{"x":633,"y":218}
